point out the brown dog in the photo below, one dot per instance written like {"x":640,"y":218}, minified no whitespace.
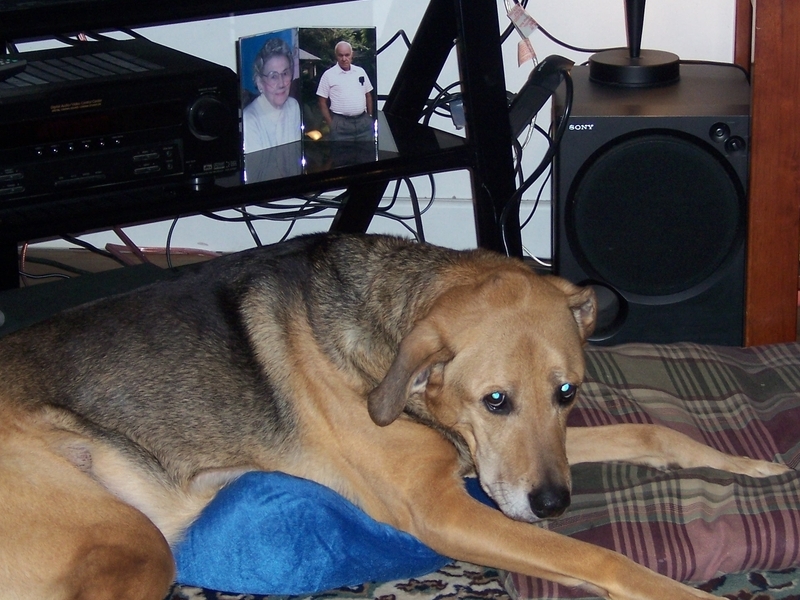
{"x":381,"y":368}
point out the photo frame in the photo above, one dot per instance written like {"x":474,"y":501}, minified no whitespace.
{"x":324,"y":116}
{"x":272,"y":117}
{"x":318,"y":58}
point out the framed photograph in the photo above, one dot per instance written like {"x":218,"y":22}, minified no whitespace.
{"x":272,"y":119}
{"x":338,"y":77}
{"x":309,"y":100}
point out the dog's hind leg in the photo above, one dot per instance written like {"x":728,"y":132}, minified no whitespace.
{"x":65,"y":537}
{"x":659,"y":447}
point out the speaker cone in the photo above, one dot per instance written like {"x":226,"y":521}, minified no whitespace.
{"x":655,"y":214}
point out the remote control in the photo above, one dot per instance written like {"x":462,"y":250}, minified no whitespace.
{"x":11,"y":66}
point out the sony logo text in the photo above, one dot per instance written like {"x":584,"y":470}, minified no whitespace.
{"x":581,"y":127}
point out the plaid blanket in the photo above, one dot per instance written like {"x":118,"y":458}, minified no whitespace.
{"x":689,"y":524}
{"x":692,"y":524}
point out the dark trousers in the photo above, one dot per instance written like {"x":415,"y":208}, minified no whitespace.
{"x":352,"y":129}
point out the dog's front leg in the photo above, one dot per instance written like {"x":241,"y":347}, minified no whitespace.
{"x":659,"y":447}
{"x":409,"y":477}
{"x":464,"y":529}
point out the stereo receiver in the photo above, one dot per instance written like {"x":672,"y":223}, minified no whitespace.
{"x":115,"y":112}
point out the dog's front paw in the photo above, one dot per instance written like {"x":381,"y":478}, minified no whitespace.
{"x":755,"y":468}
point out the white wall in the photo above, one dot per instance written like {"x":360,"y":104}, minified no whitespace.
{"x":690,"y":29}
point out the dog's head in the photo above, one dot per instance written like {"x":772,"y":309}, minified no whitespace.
{"x":499,"y":362}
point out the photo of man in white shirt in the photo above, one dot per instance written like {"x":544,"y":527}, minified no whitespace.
{"x":345,"y":98}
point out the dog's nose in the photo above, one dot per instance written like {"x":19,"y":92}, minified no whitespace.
{"x":549,"y":501}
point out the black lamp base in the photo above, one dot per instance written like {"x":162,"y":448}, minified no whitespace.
{"x":650,"y":68}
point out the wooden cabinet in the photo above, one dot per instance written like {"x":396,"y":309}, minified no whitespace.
{"x":769,"y":32}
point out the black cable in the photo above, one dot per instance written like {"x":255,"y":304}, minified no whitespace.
{"x":395,"y":195}
{"x":301,"y":213}
{"x":537,"y":200}
{"x":384,"y":210}
{"x":517,"y":147}
{"x":554,"y":39}
{"x":57,"y":264}
{"x":285,"y":236}
{"x":443,"y":97}
{"x":399,"y":34}
{"x":515,"y":200}
{"x":248,"y":220}
{"x":168,"y":244}
{"x":415,"y":208}
{"x":47,"y":276}
{"x":79,"y":242}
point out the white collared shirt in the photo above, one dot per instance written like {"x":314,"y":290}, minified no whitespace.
{"x":346,"y":90}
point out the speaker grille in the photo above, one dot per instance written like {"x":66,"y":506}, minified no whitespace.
{"x":655,"y":213}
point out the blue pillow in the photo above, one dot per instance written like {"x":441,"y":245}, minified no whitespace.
{"x":271,"y":533}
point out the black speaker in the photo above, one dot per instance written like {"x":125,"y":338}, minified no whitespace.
{"x":650,"y":206}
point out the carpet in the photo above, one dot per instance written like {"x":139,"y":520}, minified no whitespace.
{"x":456,"y":581}
{"x":463,"y":581}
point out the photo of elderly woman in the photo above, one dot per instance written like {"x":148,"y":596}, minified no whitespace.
{"x":268,"y":69}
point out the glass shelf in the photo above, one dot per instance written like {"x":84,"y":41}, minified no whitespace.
{"x":404,"y":149}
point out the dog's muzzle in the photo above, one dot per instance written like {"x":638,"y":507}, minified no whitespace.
{"x":549,"y":501}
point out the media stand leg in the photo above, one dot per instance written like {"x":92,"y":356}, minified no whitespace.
{"x":475,"y":26}
{"x":488,"y":127}
{"x":359,"y":206}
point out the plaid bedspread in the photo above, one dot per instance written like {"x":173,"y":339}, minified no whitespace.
{"x":693,"y":524}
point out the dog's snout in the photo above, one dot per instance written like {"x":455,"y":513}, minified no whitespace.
{"x":548,"y":501}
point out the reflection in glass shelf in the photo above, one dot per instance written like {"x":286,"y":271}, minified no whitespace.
{"x":297,"y":158}
{"x":403,"y":147}
{"x":310,"y":157}
{"x":285,"y":160}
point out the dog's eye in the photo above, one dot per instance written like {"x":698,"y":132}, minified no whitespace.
{"x":566,"y":393}
{"x":498,"y":403}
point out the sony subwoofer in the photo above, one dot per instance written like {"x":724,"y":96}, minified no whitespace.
{"x":650,"y":204}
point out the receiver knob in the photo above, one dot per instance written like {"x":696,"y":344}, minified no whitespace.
{"x":209,"y":118}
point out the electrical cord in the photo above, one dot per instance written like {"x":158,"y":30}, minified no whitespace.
{"x":45,"y":276}
{"x":400,"y":34}
{"x":442,"y":98}
{"x":56,"y":264}
{"x":86,"y":245}
{"x":514,"y":202}
{"x":555,"y":40}
{"x":168,"y":243}
{"x":544,"y":181}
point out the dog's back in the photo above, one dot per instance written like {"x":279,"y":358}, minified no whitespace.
{"x":107,"y":362}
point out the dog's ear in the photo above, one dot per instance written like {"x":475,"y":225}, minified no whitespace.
{"x":584,"y":307}
{"x":582,"y":301}
{"x":419,"y":351}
